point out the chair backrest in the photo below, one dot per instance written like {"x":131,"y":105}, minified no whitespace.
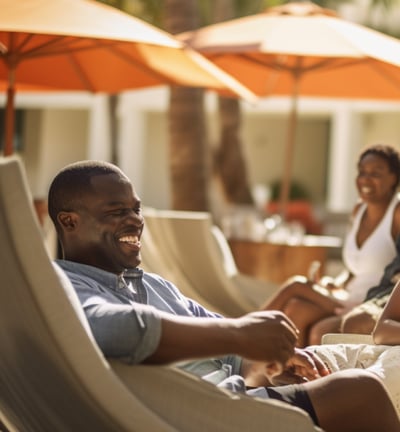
{"x":53,"y":378}
{"x":256,"y":291}
{"x":191,"y":242}
{"x":157,"y":258}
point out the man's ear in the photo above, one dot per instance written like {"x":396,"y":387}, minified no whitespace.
{"x":68,"y":220}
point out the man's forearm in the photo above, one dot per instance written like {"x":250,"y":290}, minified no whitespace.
{"x":186,"y":338}
{"x":262,"y":336}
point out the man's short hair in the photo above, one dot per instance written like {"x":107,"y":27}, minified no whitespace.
{"x":73,"y":183}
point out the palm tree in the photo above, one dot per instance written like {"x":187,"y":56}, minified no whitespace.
{"x":228,"y":162}
{"x":188,"y":150}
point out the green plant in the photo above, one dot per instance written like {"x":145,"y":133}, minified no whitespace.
{"x":297,"y":190}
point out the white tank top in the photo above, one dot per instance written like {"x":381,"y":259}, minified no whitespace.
{"x":368,"y":262}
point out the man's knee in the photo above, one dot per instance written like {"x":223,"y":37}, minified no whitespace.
{"x":347,"y":381}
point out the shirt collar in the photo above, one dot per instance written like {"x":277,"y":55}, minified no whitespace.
{"x":101,"y":276}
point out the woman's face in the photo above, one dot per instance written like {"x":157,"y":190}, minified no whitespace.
{"x":375,"y":182}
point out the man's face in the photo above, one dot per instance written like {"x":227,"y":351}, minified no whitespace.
{"x":109,"y":225}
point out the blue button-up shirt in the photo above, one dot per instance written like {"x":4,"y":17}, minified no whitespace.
{"x":124,"y":313}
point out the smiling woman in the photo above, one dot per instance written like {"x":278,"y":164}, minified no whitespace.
{"x":317,"y":305}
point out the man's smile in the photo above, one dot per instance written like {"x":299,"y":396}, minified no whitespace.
{"x":132,"y":241}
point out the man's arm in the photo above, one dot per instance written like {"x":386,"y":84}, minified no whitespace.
{"x":265,"y":336}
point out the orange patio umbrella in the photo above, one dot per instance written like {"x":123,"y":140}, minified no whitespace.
{"x":85,"y":45}
{"x":300,"y":48}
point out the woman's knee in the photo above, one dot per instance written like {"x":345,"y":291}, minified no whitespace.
{"x":329,"y":324}
{"x":360,"y":322}
{"x":299,"y":311}
{"x":315,"y":334}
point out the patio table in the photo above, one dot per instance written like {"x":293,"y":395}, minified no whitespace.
{"x":278,"y":261}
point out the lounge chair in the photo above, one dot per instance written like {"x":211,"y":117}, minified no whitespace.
{"x":157,"y":258}
{"x":349,"y":338}
{"x":53,"y":377}
{"x":204,"y":256}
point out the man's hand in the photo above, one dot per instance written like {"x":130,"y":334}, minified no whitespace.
{"x":268,"y":336}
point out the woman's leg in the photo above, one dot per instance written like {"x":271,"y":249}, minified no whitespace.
{"x":331,"y":324}
{"x":352,"y":400}
{"x":363,"y":318}
{"x":303,"y":305}
{"x":361,"y":322}
{"x":304,"y":314}
{"x":300,"y":287}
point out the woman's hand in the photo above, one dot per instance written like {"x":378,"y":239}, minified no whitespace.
{"x":302,"y":367}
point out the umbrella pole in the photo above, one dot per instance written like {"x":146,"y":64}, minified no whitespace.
{"x":9,"y":117}
{"x":289,"y":150}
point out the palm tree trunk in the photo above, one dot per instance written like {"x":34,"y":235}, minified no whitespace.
{"x":229,"y":163}
{"x":188,"y":150}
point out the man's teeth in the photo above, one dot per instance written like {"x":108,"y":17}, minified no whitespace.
{"x":130,"y":239}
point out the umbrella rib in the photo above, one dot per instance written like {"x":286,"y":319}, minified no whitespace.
{"x":271,"y":63}
{"x":281,"y":66}
{"x":16,"y":53}
{"x":81,"y":73}
{"x":117,"y":52}
{"x":57,"y":45}
{"x":53,"y":47}
{"x":387,"y":75}
{"x":67,"y":46}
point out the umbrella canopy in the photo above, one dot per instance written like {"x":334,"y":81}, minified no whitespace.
{"x":85,"y":45}
{"x":300,"y":48}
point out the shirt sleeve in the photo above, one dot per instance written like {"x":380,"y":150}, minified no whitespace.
{"x":200,"y":311}
{"x":130,"y":332}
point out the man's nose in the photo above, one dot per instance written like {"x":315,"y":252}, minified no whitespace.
{"x":134,"y":218}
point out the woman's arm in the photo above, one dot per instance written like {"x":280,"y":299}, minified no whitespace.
{"x":387,"y":329}
{"x":396,"y":222}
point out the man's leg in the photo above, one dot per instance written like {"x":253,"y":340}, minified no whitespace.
{"x":352,"y":400}
{"x":347,"y":401}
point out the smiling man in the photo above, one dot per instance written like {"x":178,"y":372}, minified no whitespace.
{"x":141,"y":317}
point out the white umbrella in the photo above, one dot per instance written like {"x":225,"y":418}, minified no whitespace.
{"x":302,"y":49}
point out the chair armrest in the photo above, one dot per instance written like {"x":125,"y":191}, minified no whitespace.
{"x":349,"y":338}
{"x":176,"y":397}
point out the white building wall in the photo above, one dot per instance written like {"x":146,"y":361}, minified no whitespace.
{"x":64,"y":128}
